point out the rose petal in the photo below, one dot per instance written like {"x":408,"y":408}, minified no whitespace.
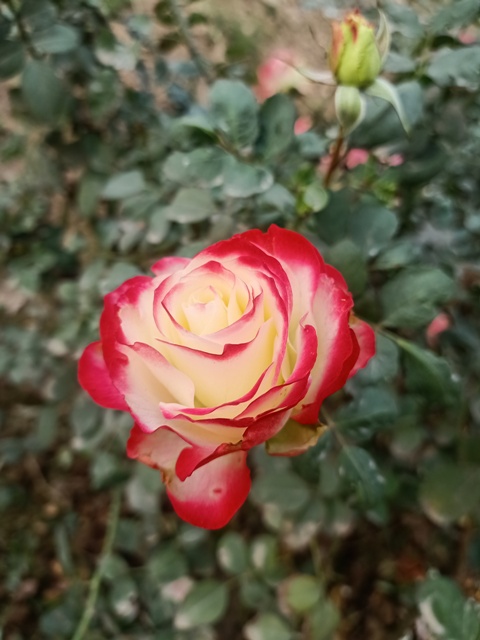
{"x":336,"y":347}
{"x":94,"y":377}
{"x":166,"y":266}
{"x":211,"y":496}
{"x":366,"y":341}
{"x":159,"y":450}
{"x":223,"y":378}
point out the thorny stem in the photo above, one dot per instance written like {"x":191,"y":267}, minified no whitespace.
{"x":96,"y":580}
{"x":183,"y":27}
{"x":24,"y":34}
{"x":336,"y":156}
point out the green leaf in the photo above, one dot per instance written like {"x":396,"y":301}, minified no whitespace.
{"x":383,"y":366}
{"x":371,"y":226}
{"x":254,"y":593}
{"x":277,"y":119}
{"x":117,"y":275}
{"x":457,"y":14}
{"x":373,"y":408}
{"x":409,"y":299}
{"x":449,"y":491}
{"x":294,"y":438}
{"x":139,"y":206}
{"x":44,"y":93}
{"x":300,"y":593}
{"x":123,"y":185}
{"x":59,"y":621}
{"x":267,"y":626}
{"x":243,"y":180}
{"x":445,"y":611}
{"x":310,"y":145}
{"x":143,"y":490}
{"x":315,"y":197}
{"x":167,"y":564}
{"x":89,"y":193}
{"x":159,"y":226}
{"x":276,"y":202}
{"x":428,"y":374}
{"x":329,"y":479}
{"x":202,"y":167}
{"x":357,"y":467}
{"x":123,"y":599}
{"x":38,"y":14}
{"x":286,"y":491}
{"x":85,"y":418}
{"x":190,"y":205}
{"x":265,"y":555}
{"x":106,"y":470}
{"x":46,"y":431}
{"x":456,"y":67}
{"x":12,"y":59}
{"x":397,"y":63}
{"x":234,"y":111}
{"x":232,"y":553}
{"x":205,"y":604}
{"x":113,"y":567}
{"x":347,"y":257}
{"x":57,"y":38}
{"x":397,"y":254}
{"x":198,"y":120}
{"x":322,"y":622}
{"x":404,"y":20}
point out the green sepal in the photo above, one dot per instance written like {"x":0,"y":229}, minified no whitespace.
{"x":383,"y":89}
{"x":294,"y":438}
{"x":383,"y":37}
{"x":349,"y":107}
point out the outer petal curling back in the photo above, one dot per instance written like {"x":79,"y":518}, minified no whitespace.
{"x":366,"y":341}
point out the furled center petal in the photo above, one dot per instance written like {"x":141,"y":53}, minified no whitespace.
{"x":205,"y":312}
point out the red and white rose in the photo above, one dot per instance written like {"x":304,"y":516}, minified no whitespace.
{"x":214,"y":355}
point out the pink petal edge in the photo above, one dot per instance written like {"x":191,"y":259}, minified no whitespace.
{"x":211,"y":496}
{"x":95,"y":379}
{"x":366,"y":341}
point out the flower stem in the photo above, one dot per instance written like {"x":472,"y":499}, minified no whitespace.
{"x":184,"y":30}
{"x":24,"y":34}
{"x":336,"y":157}
{"x":96,"y":580}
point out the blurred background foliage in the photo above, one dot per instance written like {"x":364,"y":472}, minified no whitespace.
{"x":130,"y":131}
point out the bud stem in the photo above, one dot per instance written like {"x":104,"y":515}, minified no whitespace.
{"x":335,"y":156}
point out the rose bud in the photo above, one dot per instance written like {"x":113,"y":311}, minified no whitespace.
{"x":357,"y":53}
{"x":237,"y":347}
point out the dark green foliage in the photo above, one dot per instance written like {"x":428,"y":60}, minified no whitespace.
{"x":115,"y":153}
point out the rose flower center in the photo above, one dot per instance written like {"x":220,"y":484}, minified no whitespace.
{"x":205,"y":312}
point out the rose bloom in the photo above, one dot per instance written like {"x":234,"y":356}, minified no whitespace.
{"x":214,"y":355}
{"x":356,"y":157}
{"x":302,"y":125}
{"x":278,"y":74}
{"x":442,"y":322}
